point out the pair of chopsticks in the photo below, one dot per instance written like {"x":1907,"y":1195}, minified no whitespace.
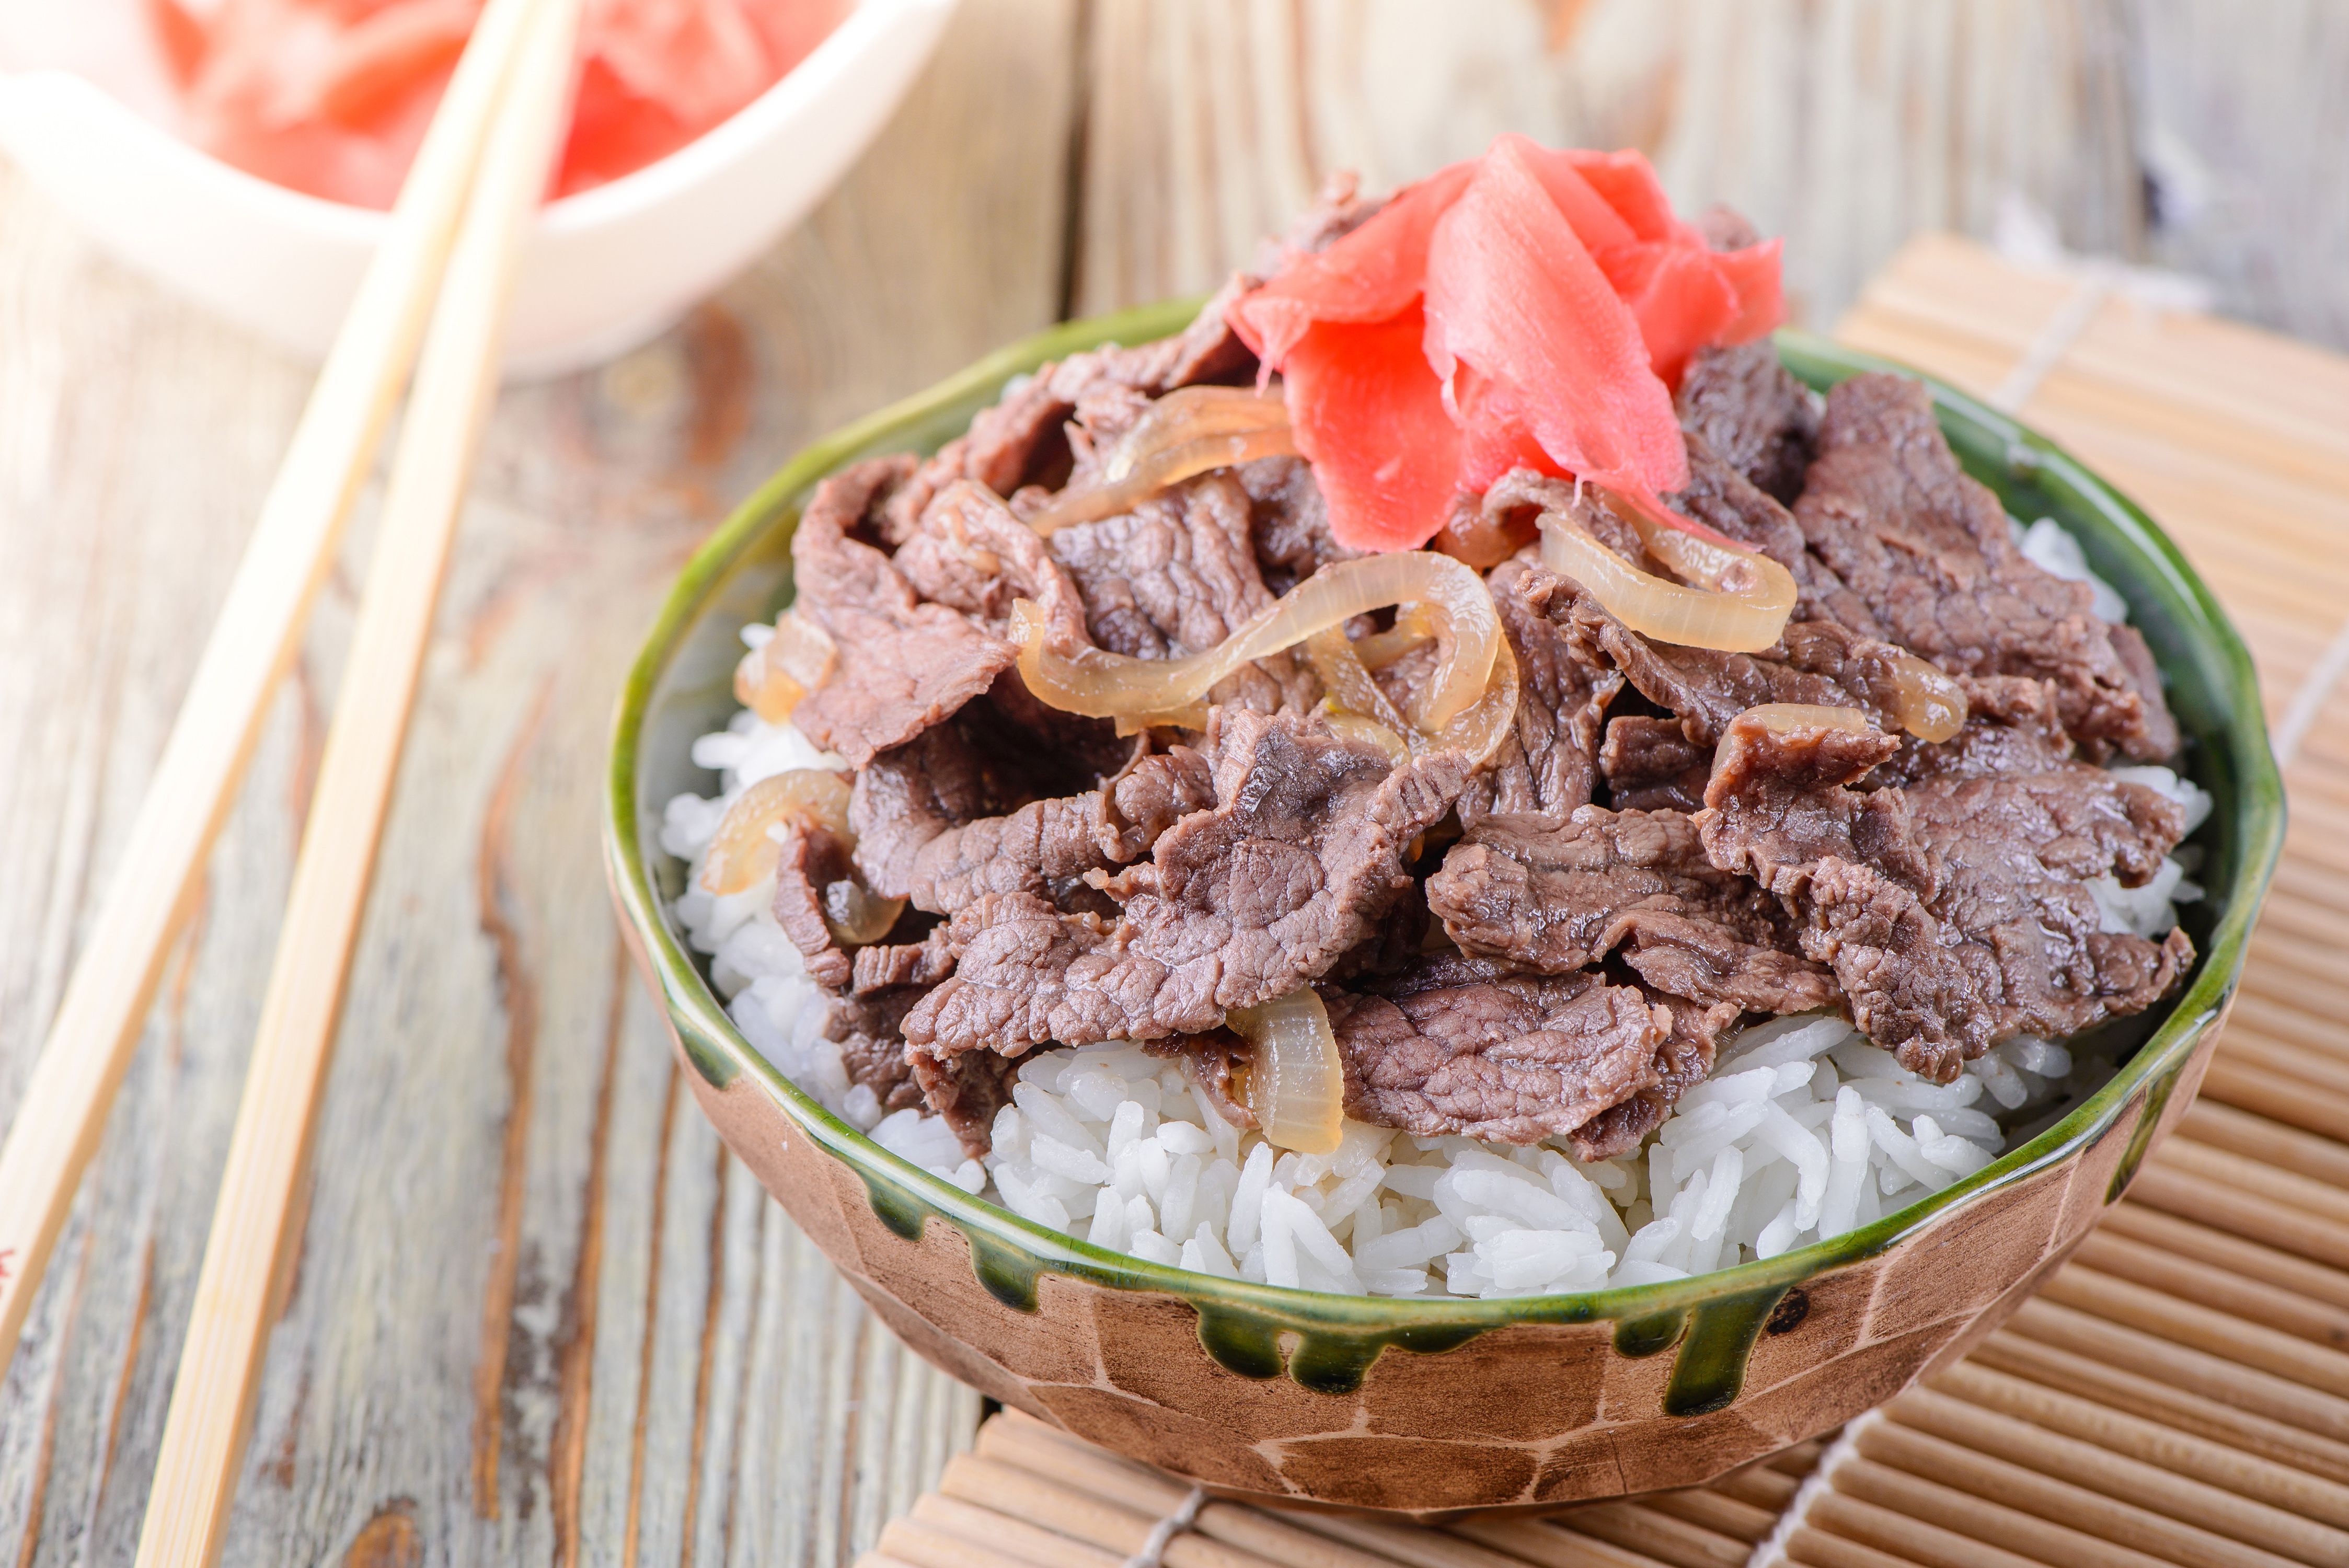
{"x":447,"y":258}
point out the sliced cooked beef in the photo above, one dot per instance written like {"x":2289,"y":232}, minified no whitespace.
{"x":871,"y":1050}
{"x":1750,"y":410}
{"x":1150,"y":796}
{"x":1097,"y":889}
{"x":1952,"y":910}
{"x":1207,"y":350}
{"x":1548,"y":762}
{"x":2137,"y":658}
{"x":984,"y":762}
{"x":1928,"y":561}
{"x":1021,"y":440}
{"x":909,"y":795}
{"x":1057,"y":840}
{"x":1027,"y":974}
{"x":1819,"y":663}
{"x":890,"y":966}
{"x":1338,"y":208}
{"x":1075,"y":751}
{"x":1290,"y":522}
{"x":1394,"y":942}
{"x":813,"y":859}
{"x":1815,"y":661}
{"x":1300,"y":856}
{"x":1555,"y":896}
{"x":967,"y":1091}
{"x":1725,"y":501}
{"x":2011,"y":726}
{"x":1522,"y":495}
{"x":1459,"y":1046}
{"x":970,"y":554}
{"x":1725,"y":228}
{"x":1685,"y":1059}
{"x":971,"y":550}
{"x":1649,"y":765}
{"x":1716,"y":496}
{"x":904,"y":664}
{"x":1177,"y":575}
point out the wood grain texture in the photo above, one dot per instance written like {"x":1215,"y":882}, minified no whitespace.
{"x":257,"y":1227}
{"x":538,"y":1316}
{"x":2200,"y":134}
{"x":70,"y":1089}
{"x":2242,"y":131}
{"x":1844,"y":125}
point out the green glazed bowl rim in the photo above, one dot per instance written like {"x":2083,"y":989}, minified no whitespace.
{"x":1976,"y":430}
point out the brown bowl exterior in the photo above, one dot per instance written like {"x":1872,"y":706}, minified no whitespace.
{"x":1528,"y":1417}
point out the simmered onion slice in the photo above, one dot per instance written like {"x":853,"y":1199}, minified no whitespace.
{"x":772,"y":678}
{"x":1189,"y":431}
{"x":1413,"y":625}
{"x":1348,"y":680}
{"x":1930,"y":704}
{"x":856,"y":915}
{"x":1785,"y":718}
{"x":1356,"y":707}
{"x":1481,"y":728}
{"x":1739,"y":602}
{"x":744,"y":850}
{"x":1110,"y":685}
{"x":1347,"y":726}
{"x":1296,"y":1084}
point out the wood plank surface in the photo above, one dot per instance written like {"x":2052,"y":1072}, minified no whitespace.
{"x":2201,"y":134}
{"x":1845,"y":127}
{"x":540,"y":1315}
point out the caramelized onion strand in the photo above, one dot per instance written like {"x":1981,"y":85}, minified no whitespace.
{"x":856,"y":915}
{"x":744,"y":852}
{"x":1353,"y":727}
{"x":1347,"y":680}
{"x":1296,"y":1084}
{"x":1655,"y":607}
{"x":1485,"y":723}
{"x":1413,"y":625}
{"x":1189,"y":431}
{"x":1927,"y":701}
{"x":1102,"y":685}
{"x":798,"y":658}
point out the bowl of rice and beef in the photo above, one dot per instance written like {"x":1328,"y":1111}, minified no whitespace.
{"x":1457,"y":880}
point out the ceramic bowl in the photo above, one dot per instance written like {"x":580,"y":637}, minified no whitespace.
{"x":602,"y":272}
{"x":1424,"y":1408}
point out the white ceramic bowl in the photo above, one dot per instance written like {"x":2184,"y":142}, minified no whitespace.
{"x":605,"y":269}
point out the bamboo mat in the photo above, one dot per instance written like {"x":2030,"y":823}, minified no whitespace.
{"x":2177,"y":1394}
{"x":1031,"y":1496}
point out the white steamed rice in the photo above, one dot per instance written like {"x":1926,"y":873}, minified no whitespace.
{"x":1805,"y":1131}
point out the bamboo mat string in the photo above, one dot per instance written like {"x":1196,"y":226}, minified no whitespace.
{"x":2308,"y":700}
{"x":2055,"y":339}
{"x":1155,"y":1549}
{"x":1773,"y":1547}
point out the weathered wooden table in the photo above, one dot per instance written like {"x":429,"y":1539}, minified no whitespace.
{"x":539,"y":1314}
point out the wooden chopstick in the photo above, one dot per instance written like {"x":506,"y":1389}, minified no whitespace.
{"x":158,"y":867}
{"x":456,"y":381}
